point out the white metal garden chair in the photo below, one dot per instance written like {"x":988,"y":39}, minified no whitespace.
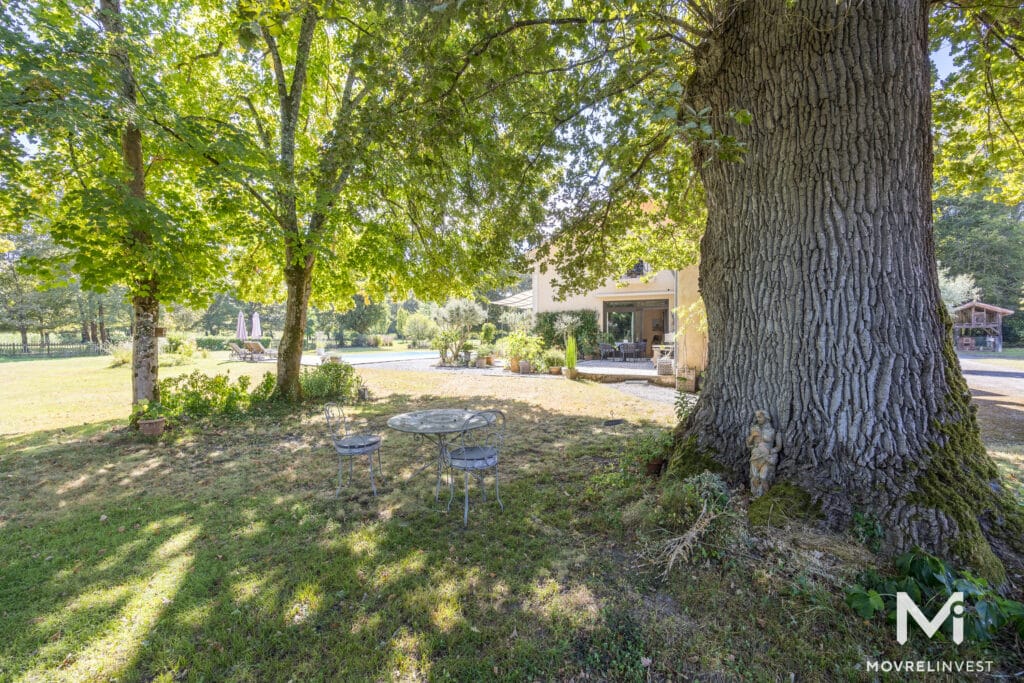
{"x":350,"y":445}
{"x":478,"y":452}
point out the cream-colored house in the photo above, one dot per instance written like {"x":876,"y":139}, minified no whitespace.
{"x":637,"y":306}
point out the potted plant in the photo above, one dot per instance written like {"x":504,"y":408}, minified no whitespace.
{"x":570,"y":358}
{"x":554,"y":359}
{"x":650,"y":450}
{"x":484,"y":355}
{"x":522,"y":348}
{"x":149,"y":418}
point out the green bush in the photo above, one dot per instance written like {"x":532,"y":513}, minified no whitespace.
{"x":221,"y":343}
{"x":554,"y":358}
{"x":331,"y":382}
{"x":586,"y":332}
{"x":120,"y":354}
{"x":196,"y":395}
{"x":180,"y":345}
{"x":487,"y":332}
{"x":929,"y":582}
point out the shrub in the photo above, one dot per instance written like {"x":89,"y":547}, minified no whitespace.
{"x":522,"y":346}
{"x":586,"y":330}
{"x":554,"y":358}
{"x":221,"y":343}
{"x":701,"y":507}
{"x":570,"y":352}
{"x":684,"y":405}
{"x":487,"y":332}
{"x":179,"y":345}
{"x":929,"y":582}
{"x":419,"y":328}
{"x":331,"y":382}
{"x":196,"y":395}
{"x":648,"y":446}
{"x":457,"y":318}
{"x":120,"y":354}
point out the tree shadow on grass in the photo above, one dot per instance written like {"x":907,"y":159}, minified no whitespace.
{"x":224,"y":556}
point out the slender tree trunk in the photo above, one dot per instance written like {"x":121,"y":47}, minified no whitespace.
{"x":103,"y":325}
{"x":24,"y":338}
{"x":818,"y":274}
{"x":93,"y":335}
{"x":298,"y":279}
{"x":145,"y":361}
{"x":145,"y":304}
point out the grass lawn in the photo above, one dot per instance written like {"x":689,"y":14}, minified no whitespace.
{"x":219,"y":553}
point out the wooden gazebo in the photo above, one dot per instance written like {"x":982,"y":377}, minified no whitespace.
{"x":978,"y":326}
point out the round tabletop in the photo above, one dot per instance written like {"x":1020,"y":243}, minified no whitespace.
{"x":438,"y":421}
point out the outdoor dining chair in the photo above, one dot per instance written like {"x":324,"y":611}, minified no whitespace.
{"x":480,"y":445}
{"x":350,"y":445}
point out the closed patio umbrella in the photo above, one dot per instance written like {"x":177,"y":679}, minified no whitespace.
{"x":240,"y":331}
{"x":257,"y":331}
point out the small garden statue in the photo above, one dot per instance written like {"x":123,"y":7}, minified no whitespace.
{"x":764,"y":443}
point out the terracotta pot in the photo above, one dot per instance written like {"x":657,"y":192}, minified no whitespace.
{"x":513,"y":364}
{"x":571,"y":373}
{"x":481,"y":362}
{"x":489,"y":360}
{"x":557,"y":370}
{"x":654,"y":467}
{"x":152,"y":427}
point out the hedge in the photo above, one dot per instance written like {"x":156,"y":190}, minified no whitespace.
{"x":586,"y":334}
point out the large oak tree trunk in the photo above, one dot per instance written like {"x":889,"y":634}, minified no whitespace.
{"x":298,"y":279}
{"x":819,"y":277}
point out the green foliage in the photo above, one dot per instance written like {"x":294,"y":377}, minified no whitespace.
{"x":684,"y":404}
{"x":682,"y":502}
{"x":570,"y":352}
{"x":648,"y":446}
{"x":364,"y":316}
{"x":978,"y":109}
{"x":146,"y":410}
{"x":120,"y":354}
{"x":553,"y":358}
{"x":331,"y":382}
{"x":984,"y":242}
{"x":221,"y":343}
{"x":197,"y":395}
{"x":868,"y":530}
{"x":929,"y":582}
{"x":456,"y":318}
{"x":180,"y":345}
{"x":523,"y":346}
{"x":420,"y":328}
{"x":487,"y":332}
{"x":615,"y":650}
{"x":689,"y":459}
{"x":783,"y":502}
{"x":586,"y":328}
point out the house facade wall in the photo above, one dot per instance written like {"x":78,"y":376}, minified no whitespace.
{"x":678,"y":288}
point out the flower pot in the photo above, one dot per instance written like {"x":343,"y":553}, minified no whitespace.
{"x":556,"y":370}
{"x":153,"y":427}
{"x":513,"y":364}
{"x":524,"y":367}
{"x":571,"y":373}
{"x":481,"y":362}
{"x":654,"y":467}
{"x":489,"y":360}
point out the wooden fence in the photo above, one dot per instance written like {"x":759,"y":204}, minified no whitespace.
{"x":18,"y":350}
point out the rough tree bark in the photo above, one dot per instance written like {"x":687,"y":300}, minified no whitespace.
{"x":299,"y":279}
{"x":819,"y":277}
{"x":145,"y":349}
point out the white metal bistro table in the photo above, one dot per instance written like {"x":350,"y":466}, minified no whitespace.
{"x":437,"y":426}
